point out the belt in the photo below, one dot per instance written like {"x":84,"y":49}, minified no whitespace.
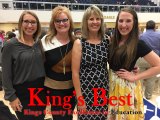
{"x":54,"y":84}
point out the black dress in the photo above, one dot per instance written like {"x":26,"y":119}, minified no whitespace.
{"x":93,"y":78}
{"x":58,"y":82}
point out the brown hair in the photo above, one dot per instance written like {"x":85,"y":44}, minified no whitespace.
{"x":128,"y":50}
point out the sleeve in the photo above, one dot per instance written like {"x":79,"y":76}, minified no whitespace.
{"x":143,"y":48}
{"x":7,"y":73}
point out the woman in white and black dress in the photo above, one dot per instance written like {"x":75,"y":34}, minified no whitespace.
{"x":57,"y":45}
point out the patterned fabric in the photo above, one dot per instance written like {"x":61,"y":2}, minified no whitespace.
{"x":93,"y":75}
{"x":125,"y":108}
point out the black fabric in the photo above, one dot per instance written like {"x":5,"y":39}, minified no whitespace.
{"x":0,"y":81}
{"x":56,"y":53}
{"x":62,"y":93}
{"x":94,"y":75}
{"x":23,"y":94}
{"x":59,"y":76}
{"x":142,"y":50}
{"x":54,"y":70}
{"x":53,"y":57}
{"x":5,"y":113}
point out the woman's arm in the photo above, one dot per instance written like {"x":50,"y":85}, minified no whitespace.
{"x":76,"y":60}
{"x":7,"y":81}
{"x":153,"y":59}
{"x":7,"y":72}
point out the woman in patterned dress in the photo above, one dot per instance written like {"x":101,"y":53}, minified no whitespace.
{"x":89,"y":67}
{"x":125,"y":86}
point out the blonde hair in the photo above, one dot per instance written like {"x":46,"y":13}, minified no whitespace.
{"x":90,"y":11}
{"x":21,"y":33}
{"x":52,"y":30}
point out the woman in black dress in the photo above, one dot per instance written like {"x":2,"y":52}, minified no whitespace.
{"x":89,"y":67}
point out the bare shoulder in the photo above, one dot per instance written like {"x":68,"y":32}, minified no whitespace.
{"x":77,"y":45}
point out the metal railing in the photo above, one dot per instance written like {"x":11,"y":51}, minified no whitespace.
{"x":48,"y":6}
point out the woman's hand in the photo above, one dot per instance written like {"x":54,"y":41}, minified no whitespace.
{"x":135,"y":70}
{"x":82,"y":107}
{"x":124,"y":74}
{"x":16,"y":105}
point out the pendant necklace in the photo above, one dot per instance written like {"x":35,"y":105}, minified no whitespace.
{"x":63,"y":58}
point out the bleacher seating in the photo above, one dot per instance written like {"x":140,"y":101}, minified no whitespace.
{"x":122,"y":2}
{"x":104,"y":5}
{"x":157,"y":2}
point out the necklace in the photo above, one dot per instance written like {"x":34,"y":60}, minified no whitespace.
{"x":63,"y":58}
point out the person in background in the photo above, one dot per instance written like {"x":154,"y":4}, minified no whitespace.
{"x":125,"y":86}
{"x":43,"y":33}
{"x":2,"y":35}
{"x":108,"y":34}
{"x":152,"y":38}
{"x":1,"y":45}
{"x":16,"y":32}
{"x":89,"y":66}
{"x":57,"y":45}
{"x":23,"y":69}
{"x":10,"y":35}
{"x":77,"y":33}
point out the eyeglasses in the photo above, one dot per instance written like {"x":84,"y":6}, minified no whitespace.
{"x":26,"y":22}
{"x":58,"y":21}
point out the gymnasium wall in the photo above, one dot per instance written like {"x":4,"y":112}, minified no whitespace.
{"x":9,"y":18}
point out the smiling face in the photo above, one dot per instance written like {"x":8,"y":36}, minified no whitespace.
{"x":29,"y":25}
{"x":62,"y":23}
{"x":94,"y":23}
{"x":125,"y":24}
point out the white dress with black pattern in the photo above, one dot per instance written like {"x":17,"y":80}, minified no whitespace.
{"x":94,"y":75}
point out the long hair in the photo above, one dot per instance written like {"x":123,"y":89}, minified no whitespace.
{"x":90,"y":11}
{"x":21,"y":33}
{"x":128,"y":50}
{"x":52,"y":30}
